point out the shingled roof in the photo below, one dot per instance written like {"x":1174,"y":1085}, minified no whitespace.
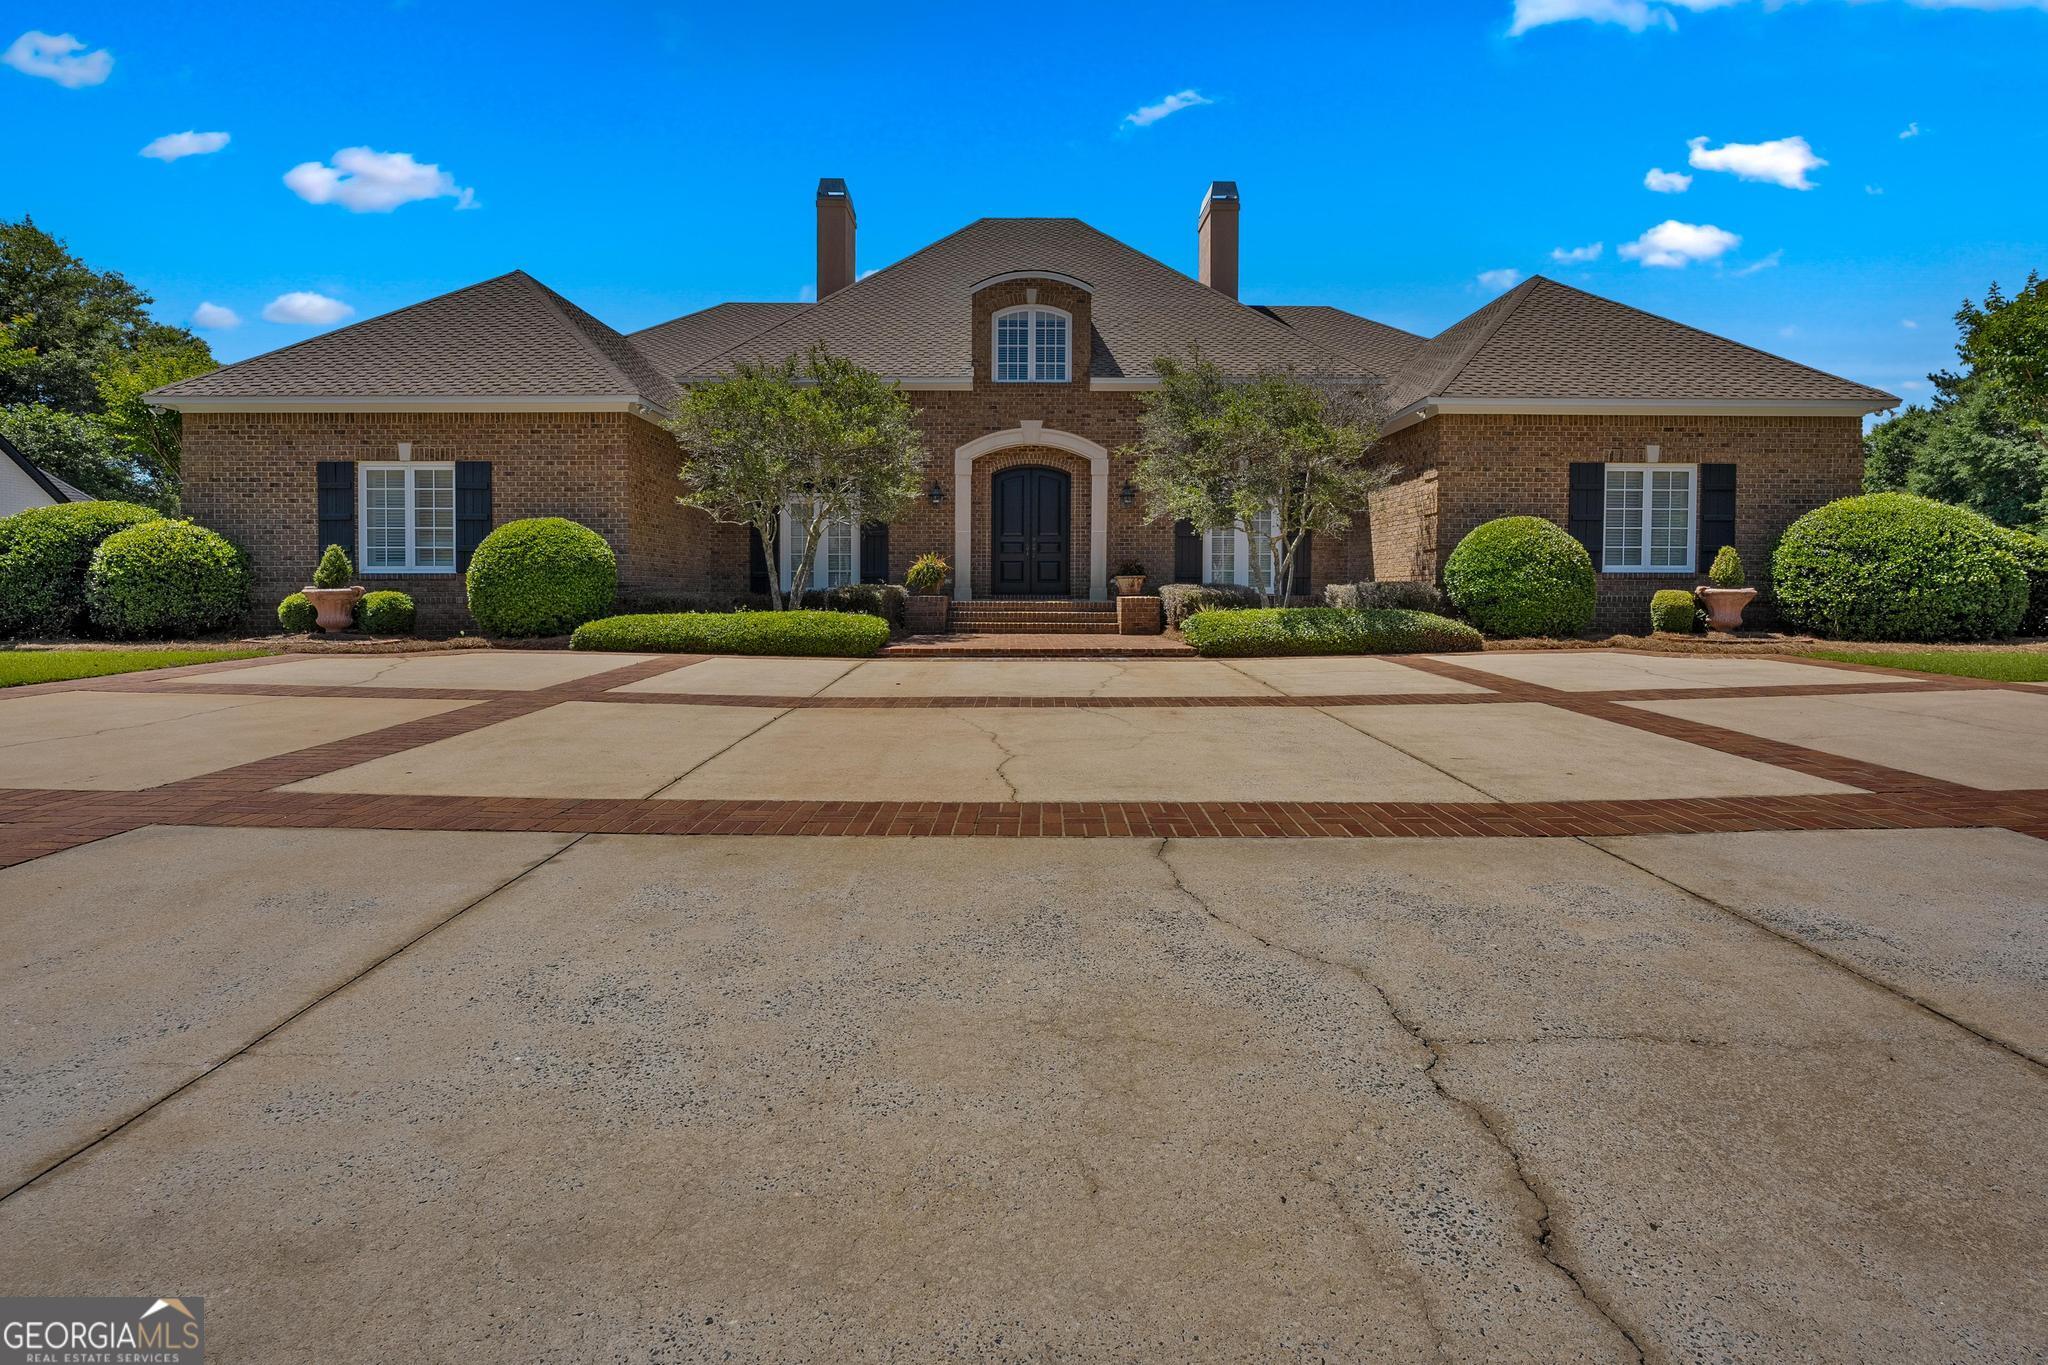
{"x":682,"y":344}
{"x":909,"y":320}
{"x":508,"y":338}
{"x":1372,"y":347}
{"x":1548,"y":341}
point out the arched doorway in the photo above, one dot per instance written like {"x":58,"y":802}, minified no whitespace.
{"x":1030,"y":529}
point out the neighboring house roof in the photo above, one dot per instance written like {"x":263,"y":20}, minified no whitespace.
{"x":1372,"y":346}
{"x":1547,"y":341}
{"x":509,"y":338}
{"x":682,"y":344}
{"x":22,"y":480}
{"x":908,"y":321}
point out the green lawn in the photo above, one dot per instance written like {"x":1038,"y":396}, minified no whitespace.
{"x":2003,"y":665}
{"x":57,"y":665}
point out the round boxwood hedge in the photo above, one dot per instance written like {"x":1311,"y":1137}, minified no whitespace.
{"x":2032,"y":554}
{"x":385,"y":613}
{"x":166,"y":578}
{"x":1258,"y":632}
{"x":297,"y":615}
{"x":44,"y":555}
{"x":1674,"y":610}
{"x":1892,"y":566}
{"x":840,"y":634}
{"x":1521,"y":576}
{"x":542,"y":576}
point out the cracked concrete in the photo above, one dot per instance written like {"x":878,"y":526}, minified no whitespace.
{"x":524,"y":670}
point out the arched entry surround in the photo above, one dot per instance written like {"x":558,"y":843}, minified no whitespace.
{"x":1039,"y":435}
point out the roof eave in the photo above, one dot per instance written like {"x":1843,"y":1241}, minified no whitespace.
{"x":1425,"y":408}
{"x":631,"y":403}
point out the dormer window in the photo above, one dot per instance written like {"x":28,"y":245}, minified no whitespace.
{"x":1031,"y":346}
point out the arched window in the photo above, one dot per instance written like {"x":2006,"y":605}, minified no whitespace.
{"x":1031,"y":345}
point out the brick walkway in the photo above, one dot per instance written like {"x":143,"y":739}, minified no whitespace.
{"x":38,"y":821}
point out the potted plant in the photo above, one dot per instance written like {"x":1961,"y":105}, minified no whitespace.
{"x":1725,"y":593}
{"x":332,"y":595}
{"x":925,"y":581}
{"x":1130,"y":578}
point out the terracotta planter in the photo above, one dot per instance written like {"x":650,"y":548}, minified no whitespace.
{"x":335,"y":608}
{"x":926,"y":614}
{"x":1724,"y":606}
{"x":1129,"y":584}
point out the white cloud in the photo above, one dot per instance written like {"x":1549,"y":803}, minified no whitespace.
{"x":365,"y":181}
{"x":306,"y":308}
{"x":1674,"y":245}
{"x":171,"y":146}
{"x":216,"y":317}
{"x":1666,"y":182}
{"x":1873,"y":189}
{"x":1150,"y":114}
{"x":1577,"y":255}
{"x":1781,"y":161}
{"x":1769,"y":262}
{"x":1638,"y":15}
{"x":1913,"y":384}
{"x":58,"y":57}
{"x":807,"y":294}
{"x":1909,"y":324}
{"x":1911,"y":130}
{"x":1498,"y":281}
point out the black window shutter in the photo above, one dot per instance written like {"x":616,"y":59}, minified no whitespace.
{"x":1304,"y":559}
{"x":1187,"y":553}
{"x":472,"y":508}
{"x":1717,"y":511}
{"x":1588,"y":506}
{"x":757,"y":563}
{"x":336,"y":506}
{"x":874,"y":552}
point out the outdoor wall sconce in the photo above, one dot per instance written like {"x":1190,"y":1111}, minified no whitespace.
{"x":937,"y":494}
{"x":1129,"y":495}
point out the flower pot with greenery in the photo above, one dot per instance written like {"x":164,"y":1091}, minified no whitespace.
{"x":1130,"y":578}
{"x":332,"y":595}
{"x":925,"y":581}
{"x":1725,"y":593}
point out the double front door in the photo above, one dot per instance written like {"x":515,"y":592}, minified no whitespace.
{"x":1031,"y":531}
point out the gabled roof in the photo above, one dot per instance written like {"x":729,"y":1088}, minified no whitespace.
{"x":505,"y":339}
{"x":56,"y":488}
{"x":1548,"y":341}
{"x":909,"y":321}
{"x":1373,"y":347}
{"x":681,"y":344}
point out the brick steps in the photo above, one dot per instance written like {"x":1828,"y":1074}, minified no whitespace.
{"x":1034,"y":617}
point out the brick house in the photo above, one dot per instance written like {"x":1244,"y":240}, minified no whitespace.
{"x":1026,"y":344}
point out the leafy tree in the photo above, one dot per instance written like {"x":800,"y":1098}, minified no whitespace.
{"x":149,"y":436}
{"x":1276,"y":456}
{"x":2005,"y":343}
{"x":820,"y":436}
{"x":78,"y":450}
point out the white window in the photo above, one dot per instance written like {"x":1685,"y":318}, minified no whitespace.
{"x":1648,"y":520}
{"x":838,"y":558}
{"x":1233,"y":557}
{"x":1031,"y":346}
{"x":407,"y":518}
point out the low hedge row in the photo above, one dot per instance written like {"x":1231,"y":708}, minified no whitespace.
{"x":1182,"y":600}
{"x":1370,"y":595}
{"x":837,"y":634}
{"x":1326,"y":630}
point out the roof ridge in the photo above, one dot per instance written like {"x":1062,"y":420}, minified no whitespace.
{"x":1514,"y":299}
{"x":568,"y":311}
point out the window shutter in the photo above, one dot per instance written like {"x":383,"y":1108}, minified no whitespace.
{"x":472,"y":508}
{"x":1304,"y":560}
{"x":757,"y":563}
{"x":874,"y":552}
{"x":1588,"y":506}
{"x":1187,"y":553}
{"x":336,"y":502}
{"x":1717,"y":511}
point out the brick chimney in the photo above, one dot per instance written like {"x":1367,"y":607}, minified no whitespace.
{"x":835,"y":236}
{"x":1218,"y":232}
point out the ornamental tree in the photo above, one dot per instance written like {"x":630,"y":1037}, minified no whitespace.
{"x":820,"y":437}
{"x":1276,"y":456}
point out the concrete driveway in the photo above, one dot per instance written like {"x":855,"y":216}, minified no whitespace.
{"x":1564,"y":1006}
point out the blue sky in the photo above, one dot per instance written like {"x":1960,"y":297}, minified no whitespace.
{"x":647,"y":160}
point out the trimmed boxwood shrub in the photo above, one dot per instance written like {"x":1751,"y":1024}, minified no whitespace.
{"x":1892,"y":566}
{"x":1366,"y":596}
{"x":541,"y":576}
{"x":385,"y":613}
{"x":1674,"y":610}
{"x":833,"y":633}
{"x":1326,"y":630}
{"x":1182,"y":600}
{"x":44,"y":555}
{"x":1521,"y":576}
{"x":166,"y":578}
{"x":296,"y":614}
{"x":2032,"y":554}
{"x":333,"y":570}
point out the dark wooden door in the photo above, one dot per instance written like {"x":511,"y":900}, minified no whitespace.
{"x":1031,"y":529}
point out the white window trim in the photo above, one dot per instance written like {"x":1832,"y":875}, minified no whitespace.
{"x":821,"y":573}
{"x":1243,"y":560}
{"x":1692,"y":519}
{"x":363,"y":468}
{"x":995,"y":327}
